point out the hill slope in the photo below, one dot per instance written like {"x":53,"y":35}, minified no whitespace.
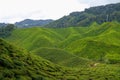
{"x":79,"y":41}
{"x":93,"y":49}
{"x":62,"y":57}
{"x":99,"y":14}
{"x":17,"y":64}
{"x":48,"y":40}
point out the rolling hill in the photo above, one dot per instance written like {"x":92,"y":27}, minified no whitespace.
{"x":99,"y":42}
{"x":81,"y":46}
{"x":45,"y":43}
{"x":19,"y":64}
{"x":62,"y":57}
{"x":95,"y":42}
{"x":16,"y":63}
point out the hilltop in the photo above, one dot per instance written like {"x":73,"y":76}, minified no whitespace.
{"x":98,"y":14}
{"x":31,"y":23}
{"x":28,"y":23}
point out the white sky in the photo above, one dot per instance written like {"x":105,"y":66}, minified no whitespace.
{"x":16,"y":10}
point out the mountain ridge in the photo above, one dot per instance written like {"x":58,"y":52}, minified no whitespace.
{"x":98,"y":14}
{"x":31,"y":23}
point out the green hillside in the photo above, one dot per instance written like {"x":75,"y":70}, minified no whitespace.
{"x":96,"y":43}
{"x":81,"y":46}
{"x":50,"y":38}
{"x":18,"y":64}
{"x":35,"y":37}
{"x":61,"y":57}
{"x":93,"y":49}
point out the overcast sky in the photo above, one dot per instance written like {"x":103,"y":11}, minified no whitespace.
{"x":16,"y":10}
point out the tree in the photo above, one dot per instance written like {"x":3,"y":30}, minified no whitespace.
{"x":6,"y":30}
{"x":10,"y":27}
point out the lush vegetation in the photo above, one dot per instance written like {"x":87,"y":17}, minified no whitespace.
{"x":99,"y":14}
{"x":76,"y":53}
{"x":62,"y":57}
{"x":72,"y":53}
{"x":6,"y":30}
{"x":18,"y":64}
{"x":97,"y":43}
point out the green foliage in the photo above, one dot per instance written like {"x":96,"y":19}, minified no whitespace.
{"x":6,"y":31}
{"x":113,"y":58}
{"x":73,"y":53}
{"x":61,"y":57}
{"x":42,"y":38}
{"x":70,"y":44}
{"x":99,"y":14}
{"x":18,"y":64}
{"x":86,"y":51}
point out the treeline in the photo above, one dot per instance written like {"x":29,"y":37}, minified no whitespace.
{"x":99,"y":14}
{"x":6,"y":30}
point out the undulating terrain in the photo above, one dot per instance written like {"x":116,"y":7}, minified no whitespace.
{"x":85,"y":47}
{"x":73,"y":44}
{"x":18,"y":64}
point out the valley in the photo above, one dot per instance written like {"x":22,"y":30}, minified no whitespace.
{"x":80,"y":46}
